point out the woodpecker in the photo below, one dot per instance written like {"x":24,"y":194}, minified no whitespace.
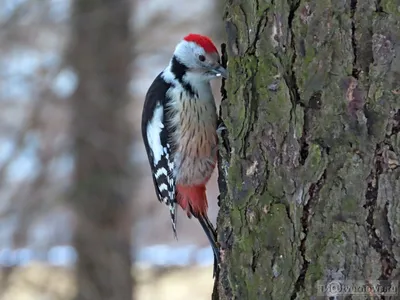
{"x":179,"y":130}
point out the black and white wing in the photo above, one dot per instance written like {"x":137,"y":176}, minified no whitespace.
{"x":156,"y":137}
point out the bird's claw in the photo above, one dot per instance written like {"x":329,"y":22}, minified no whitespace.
{"x":221,"y":128}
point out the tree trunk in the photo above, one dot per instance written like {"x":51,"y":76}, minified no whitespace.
{"x":309,"y":170}
{"x":100,"y":54}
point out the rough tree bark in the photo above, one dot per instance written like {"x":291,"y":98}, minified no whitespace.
{"x":309,"y":169}
{"x":100,"y":54}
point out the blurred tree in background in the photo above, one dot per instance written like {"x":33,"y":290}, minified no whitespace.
{"x":100,"y":53}
{"x":309,"y":175}
{"x":40,"y":160}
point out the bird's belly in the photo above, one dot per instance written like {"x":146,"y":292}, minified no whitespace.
{"x":196,"y":141}
{"x":196,"y":159}
{"x":195,"y":170}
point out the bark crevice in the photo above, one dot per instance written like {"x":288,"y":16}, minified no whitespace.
{"x":353,"y":9}
{"x":303,"y":140}
{"x":291,"y":81}
{"x":290,"y":77}
{"x":396,"y":124}
{"x":378,"y":5}
{"x":261,"y":24}
{"x":387,"y":258}
{"x":313,"y":193}
{"x":224,"y":97}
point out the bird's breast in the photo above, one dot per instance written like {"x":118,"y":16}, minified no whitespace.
{"x":196,"y":141}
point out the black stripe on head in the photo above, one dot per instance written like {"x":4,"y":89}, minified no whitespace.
{"x":179,"y":70}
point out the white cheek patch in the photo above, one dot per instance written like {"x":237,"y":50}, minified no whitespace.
{"x":153,"y":133}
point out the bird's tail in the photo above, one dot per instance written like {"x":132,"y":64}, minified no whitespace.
{"x":193,"y":199}
{"x":172,"y":211}
{"x":212,"y":238}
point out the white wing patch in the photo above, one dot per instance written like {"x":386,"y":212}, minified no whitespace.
{"x":153,"y":133}
{"x":160,"y":172}
{"x":163,"y":162}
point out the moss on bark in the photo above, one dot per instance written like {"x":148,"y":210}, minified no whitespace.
{"x":309,"y":173}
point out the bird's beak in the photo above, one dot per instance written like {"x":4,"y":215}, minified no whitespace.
{"x":220,"y":71}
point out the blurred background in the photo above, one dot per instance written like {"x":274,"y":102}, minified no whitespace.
{"x":37,"y":164}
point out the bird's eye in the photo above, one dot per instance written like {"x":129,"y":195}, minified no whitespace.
{"x":202,"y":58}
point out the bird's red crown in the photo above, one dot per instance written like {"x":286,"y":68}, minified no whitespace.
{"x":202,"y":41}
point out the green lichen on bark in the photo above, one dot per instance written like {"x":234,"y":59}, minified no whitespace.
{"x":309,"y":163}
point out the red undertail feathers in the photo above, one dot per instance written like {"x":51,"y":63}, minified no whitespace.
{"x":193,"y":199}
